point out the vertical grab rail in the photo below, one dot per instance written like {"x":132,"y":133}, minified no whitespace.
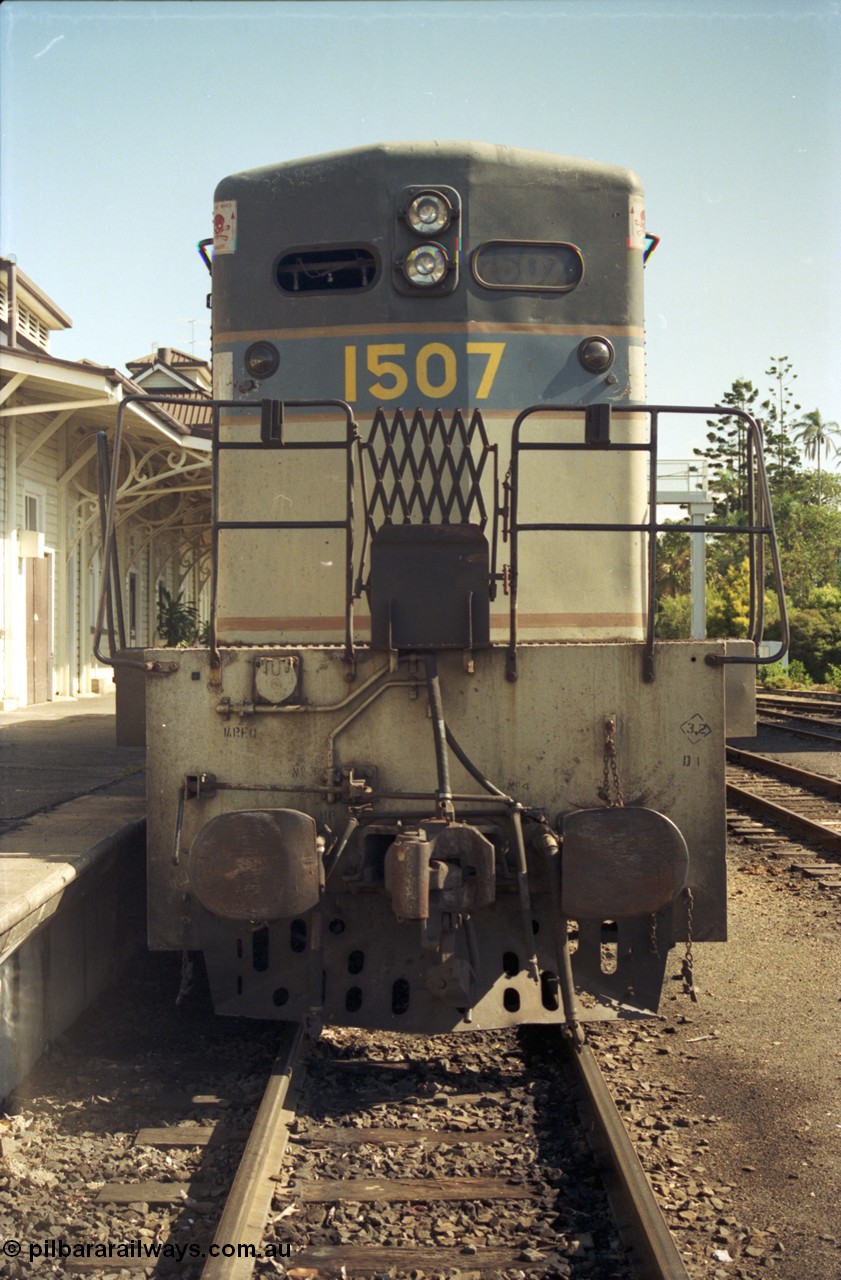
{"x":651,"y":607}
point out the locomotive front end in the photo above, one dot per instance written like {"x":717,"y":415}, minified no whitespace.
{"x":432,"y":772}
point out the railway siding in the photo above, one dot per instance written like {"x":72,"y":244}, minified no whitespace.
{"x":773,"y":802}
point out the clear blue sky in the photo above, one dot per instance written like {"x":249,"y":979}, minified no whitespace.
{"x":118,"y":120}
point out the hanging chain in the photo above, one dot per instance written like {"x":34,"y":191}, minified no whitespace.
{"x":186,"y":983}
{"x":686,"y":967}
{"x":652,"y":936}
{"x":614,"y":798}
{"x":611,"y":787}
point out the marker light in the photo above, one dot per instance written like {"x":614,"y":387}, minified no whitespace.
{"x":429,"y":213}
{"x":596,"y":354}
{"x":426,"y":265}
{"x":261,"y":360}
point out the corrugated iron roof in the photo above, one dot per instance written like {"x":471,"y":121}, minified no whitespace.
{"x":195,"y":418}
{"x":167,"y":356}
{"x":47,"y":375}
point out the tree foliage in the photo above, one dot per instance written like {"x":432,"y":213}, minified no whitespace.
{"x":726,"y":450}
{"x":779,"y":408}
{"x":814,"y":435}
{"x":807,"y":512}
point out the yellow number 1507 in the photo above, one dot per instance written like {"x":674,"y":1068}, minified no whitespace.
{"x":434,"y":372}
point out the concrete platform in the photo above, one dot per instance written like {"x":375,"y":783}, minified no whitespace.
{"x":72,"y":870}
{"x":57,"y":750}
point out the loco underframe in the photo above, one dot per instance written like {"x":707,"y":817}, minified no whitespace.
{"x":295,"y":834}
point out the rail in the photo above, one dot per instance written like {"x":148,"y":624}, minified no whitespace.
{"x":799,"y":791}
{"x":638,"y":1215}
{"x":244,"y":1217}
{"x":780,"y":713}
{"x":650,"y":1247}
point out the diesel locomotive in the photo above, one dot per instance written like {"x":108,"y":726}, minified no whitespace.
{"x":433,"y":770}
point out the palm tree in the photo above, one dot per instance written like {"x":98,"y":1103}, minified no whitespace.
{"x":814,"y":434}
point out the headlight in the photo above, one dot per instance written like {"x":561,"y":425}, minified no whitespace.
{"x":596,"y":354}
{"x":429,"y":213}
{"x":426,"y":265}
{"x":261,"y":360}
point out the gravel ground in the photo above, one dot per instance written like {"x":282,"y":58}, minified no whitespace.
{"x":134,"y":1060}
{"x":735,"y":1100}
{"x":803,"y":753}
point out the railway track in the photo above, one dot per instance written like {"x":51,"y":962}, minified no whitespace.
{"x":806,"y":715}
{"x":823,"y":702}
{"x":766,"y":796}
{"x":368,"y":1160}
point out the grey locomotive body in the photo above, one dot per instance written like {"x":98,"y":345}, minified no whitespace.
{"x":432,"y":771}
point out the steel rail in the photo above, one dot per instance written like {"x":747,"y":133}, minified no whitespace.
{"x":786,"y":772}
{"x":777,"y":813}
{"x":783,"y":720}
{"x":641,"y":1224}
{"x":638,"y":1215}
{"x":807,"y":699}
{"x":243,"y":1219}
{"x":830,"y":718}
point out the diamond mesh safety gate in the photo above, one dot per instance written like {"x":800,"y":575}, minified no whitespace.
{"x":426,"y":472}
{"x":432,"y":573}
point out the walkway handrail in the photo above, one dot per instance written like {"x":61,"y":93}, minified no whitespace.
{"x":597,"y":438}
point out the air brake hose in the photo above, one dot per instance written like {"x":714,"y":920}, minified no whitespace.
{"x":445,"y":801}
{"x":439,"y":730}
{"x":472,"y":769}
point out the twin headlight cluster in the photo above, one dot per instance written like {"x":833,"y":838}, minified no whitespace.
{"x":428,"y":227}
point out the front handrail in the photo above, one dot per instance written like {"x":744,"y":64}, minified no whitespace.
{"x":271,"y":438}
{"x":759,"y":528}
{"x":110,"y":568}
{"x":760,"y":524}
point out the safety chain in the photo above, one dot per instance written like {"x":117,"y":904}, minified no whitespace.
{"x":611,"y":787}
{"x":652,"y":936}
{"x":686,"y":966}
{"x":614,"y":798}
{"x":186,"y":983}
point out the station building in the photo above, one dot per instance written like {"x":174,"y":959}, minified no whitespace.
{"x":57,"y":420}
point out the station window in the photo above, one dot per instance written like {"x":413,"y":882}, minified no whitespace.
{"x":33,"y":512}
{"x":327,"y":270}
{"x":535,"y":265}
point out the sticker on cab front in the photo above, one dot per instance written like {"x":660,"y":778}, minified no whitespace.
{"x":225,"y":226}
